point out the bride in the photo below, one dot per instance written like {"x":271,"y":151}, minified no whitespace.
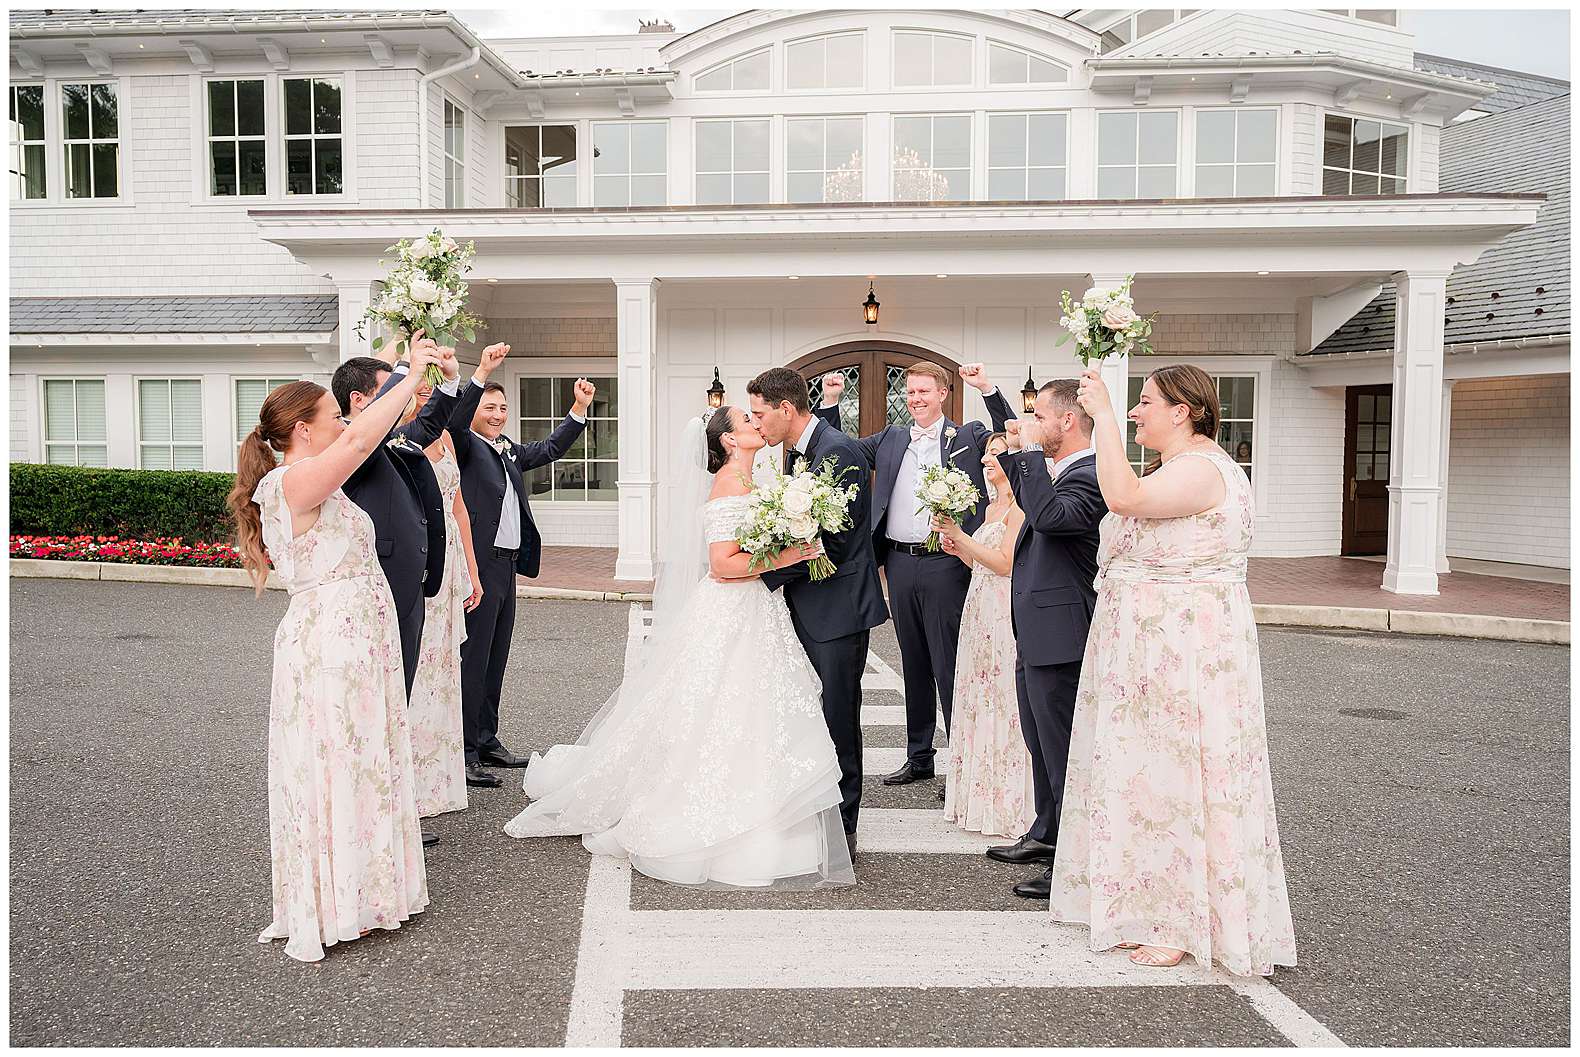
{"x":711,"y":764}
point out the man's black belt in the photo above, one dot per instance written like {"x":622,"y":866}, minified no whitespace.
{"x":913,"y":548}
{"x":501,"y":552}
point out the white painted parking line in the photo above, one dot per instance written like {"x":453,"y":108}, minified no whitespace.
{"x":883,"y":715}
{"x":879,"y":676}
{"x":922,"y":832}
{"x":598,"y":995}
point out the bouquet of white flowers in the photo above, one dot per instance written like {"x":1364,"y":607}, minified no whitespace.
{"x":796,"y":509}
{"x":425,"y":291}
{"x":948,"y":492}
{"x":1104,"y":323}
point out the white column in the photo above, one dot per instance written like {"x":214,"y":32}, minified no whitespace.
{"x":354,"y":301}
{"x":636,"y":324}
{"x":219,"y":423}
{"x":1442,"y":481}
{"x":120,"y":420}
{"x":1416,"y":458}
{"x":1115,"y":370}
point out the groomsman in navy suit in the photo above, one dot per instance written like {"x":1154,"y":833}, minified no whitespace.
{"x":1052,"y":469}
{"x":506,"y":542}
{"x":927,"y":590}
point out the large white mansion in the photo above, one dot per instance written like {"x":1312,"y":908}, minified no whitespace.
{"x":1352,"y":237}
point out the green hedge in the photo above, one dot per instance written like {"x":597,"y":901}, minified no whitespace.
{"x":135,"y":504}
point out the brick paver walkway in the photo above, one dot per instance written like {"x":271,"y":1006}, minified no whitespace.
{"x":1345,"y":582}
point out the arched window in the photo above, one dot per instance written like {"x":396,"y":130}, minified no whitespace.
{"x":1007,"y":65}
{"x":835,"y":60}
{"x":747,"y":73}
{"x":931,"y":60}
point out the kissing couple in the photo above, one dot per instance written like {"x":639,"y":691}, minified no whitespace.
{"x":730,"y":754}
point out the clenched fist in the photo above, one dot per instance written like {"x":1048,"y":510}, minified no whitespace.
{"x":585,"y":391}
{"x":833,"y":388}
{"x":975,"y":376}
{"x":492,"y":357}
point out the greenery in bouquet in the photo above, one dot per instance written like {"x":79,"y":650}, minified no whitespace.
{"x":792,"y":509}
{"x":426,"y":290}
{"x":949,"y":492}
{"x":1104,"y":323}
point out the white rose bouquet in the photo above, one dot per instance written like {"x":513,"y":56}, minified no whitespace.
{"x":948,"y":492}
{"x":1104,"y":324}
{"x":794,"y":509}
{"x":425,"y":291}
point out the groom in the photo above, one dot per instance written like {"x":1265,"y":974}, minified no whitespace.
{"x":833,"y":618}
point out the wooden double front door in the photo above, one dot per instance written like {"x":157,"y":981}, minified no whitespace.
{"x":874,"y":382}
{"x":1368,"y":445}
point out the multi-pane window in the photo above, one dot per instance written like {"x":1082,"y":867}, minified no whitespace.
{"x":454,"y":156}
{"x":932,"y":158}
{"x":1008,"y":65}
{"x":74,"y":429}
{"x":630,"y":163}
{"x":170,"y":424}
{"x":1137,"y":154}
{"x":923,"y":60}
{"x":1139,"y":24}
{"x":1236,"y":153}
{"x":823,"y":159}
{"x":825,"y":62}
{"x":732,"y":162}
{"x":236,"y":141}
{"x":314,"y":154}
{"x":589,"y":470}
{"x":250,"y":394}
{"x":91,"y":115}
{"x":1364,"y":157}
{"x":27,"y":142}
{"x":749,"y":73}
{"x":1028,"y":157}
{"x":1236,"y":421}
{"x":540,"y":165}
{"x":1372,"y":429}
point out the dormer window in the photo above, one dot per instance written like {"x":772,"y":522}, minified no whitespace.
{"x":1140,"y":23}
{"x":749,"y":73}
{"x":833,"y":61}
{"x":931,"y":60}
{"x":1364,"y":157}
{"x":1008,"y":65}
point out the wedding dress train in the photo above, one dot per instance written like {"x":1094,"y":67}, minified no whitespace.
{"x":712,"y":764}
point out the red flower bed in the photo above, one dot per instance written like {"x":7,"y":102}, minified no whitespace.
{"x":130,"y":552}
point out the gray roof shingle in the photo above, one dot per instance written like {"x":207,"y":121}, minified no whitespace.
{"x":250,"y":314}
{"x":1520,"y":287}
{"x":1514,"y":89}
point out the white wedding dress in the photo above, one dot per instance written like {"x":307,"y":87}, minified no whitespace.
{"x":712,"y":764}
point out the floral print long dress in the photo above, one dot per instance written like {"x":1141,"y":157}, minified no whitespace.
{"x":1168,"y":834}
{"x":989,"y":784}
{"x":437,"y":747}
{"x":343,"y":828}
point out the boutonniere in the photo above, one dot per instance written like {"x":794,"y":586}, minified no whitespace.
{"x":949,"y":433}
{"x":400,"y":443}
{"x":504,"y":448}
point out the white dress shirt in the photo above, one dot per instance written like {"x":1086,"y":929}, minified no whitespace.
{"x":904,"y":523}
{"x":805,"y":440}
{"x":1066,"y":462}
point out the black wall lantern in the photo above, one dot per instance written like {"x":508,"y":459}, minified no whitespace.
{"x":869,"y":308}
{"x":716,"y":391}
{"x":1028,"y":393}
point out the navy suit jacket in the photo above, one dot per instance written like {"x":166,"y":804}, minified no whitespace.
{"x":852,"y":599}
{"x":1052,"y":591}
{"x":397,"y":487}
{"x":483,"y":473}
{"x":884,"y":450}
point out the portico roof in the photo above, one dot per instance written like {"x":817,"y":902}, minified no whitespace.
{"x":1320,"y":234}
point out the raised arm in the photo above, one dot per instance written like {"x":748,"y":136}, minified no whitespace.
{"x":1074,"y":507}
{"x":1180,"y":489}
{"x":975,"y":375}
{"x":308,"y":483}
{"x":542,"y":452}
{"x":435,"y":414}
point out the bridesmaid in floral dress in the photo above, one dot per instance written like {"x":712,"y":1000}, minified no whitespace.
{"x":988,"y":785}
{"x":437,"y":747}
{"x":1168,"y":841}
{"x":343,"y":826}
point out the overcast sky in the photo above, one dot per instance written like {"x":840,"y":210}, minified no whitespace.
{"x":1533,"y":41}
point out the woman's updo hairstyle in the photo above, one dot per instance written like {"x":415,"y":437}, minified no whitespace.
{"x":722,"y":421}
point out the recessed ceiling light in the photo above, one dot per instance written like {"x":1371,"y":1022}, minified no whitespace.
{"x":141,"y":46}
{"x":477,"y":76}
{"x":1261,"y":273}
{"x":323,"y":40}
{"x":792,"y":277}
{"x":943,"y":275}
{"x":578,"y":93}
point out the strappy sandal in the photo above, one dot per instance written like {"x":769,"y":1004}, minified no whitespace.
{"x":1157,"y":957}
{"x":1124,"y":947}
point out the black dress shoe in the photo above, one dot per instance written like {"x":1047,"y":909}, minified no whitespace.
{"x":429,"y":839}
{"x":1025,"y":850}
{"x":1037,"y":887}
{"x":475,"y":775}
{"x":908,"y":773}
{"x":502,"y":758}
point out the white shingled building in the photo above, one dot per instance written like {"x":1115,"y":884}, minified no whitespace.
{"x":199,"y":200}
